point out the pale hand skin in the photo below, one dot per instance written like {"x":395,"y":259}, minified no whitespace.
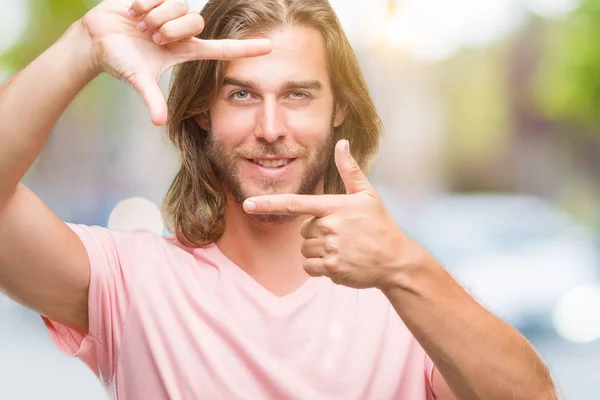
{"x":351,"y":239}
{"x":43,"y":264}
{"x":128,"y":50}
{"x":354,"y":241}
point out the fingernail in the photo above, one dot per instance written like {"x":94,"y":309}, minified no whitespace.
{"x":156,"y":37}
{"x":249,"y":205}
{"x":141,"y":26}
{"x":347,"y":146}
{"x":132,"y":13}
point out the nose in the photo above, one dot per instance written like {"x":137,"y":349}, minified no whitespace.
{"x":270,"y":124}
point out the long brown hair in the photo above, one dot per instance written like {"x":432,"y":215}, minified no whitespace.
{"x":194,"y":205}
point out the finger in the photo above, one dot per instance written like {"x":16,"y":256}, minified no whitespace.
{"x":294,"y":204}
{"x":313,"y":248}
{"x":314,"y":267}
{"x":354,"y":179}
{"x":309,"y":228}
{"x":141,"y":7}
{"x":148,"y":88}
{"x":225,"y":49}
{"x":178,"y":29}
{"x":165,"y":12}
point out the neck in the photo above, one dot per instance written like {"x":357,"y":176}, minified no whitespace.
{"x":268,"y":251}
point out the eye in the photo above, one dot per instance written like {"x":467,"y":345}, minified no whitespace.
{"x":240,"y":95}
{"x":298,"y":95}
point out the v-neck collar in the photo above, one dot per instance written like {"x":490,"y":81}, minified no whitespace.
{"x":298,"y":296}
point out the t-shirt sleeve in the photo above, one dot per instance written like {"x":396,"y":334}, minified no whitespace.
{"x":112,"y":258}
{"x":429,"y":366}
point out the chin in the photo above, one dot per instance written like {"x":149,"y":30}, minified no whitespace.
{"x":248,"y":185}
{"x":259,"y":190}
{"x":272,"y":219}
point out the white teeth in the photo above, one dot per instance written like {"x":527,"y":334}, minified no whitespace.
{"x":272,"y":163}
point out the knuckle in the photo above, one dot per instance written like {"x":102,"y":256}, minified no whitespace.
{"x":378,"y":250}
{"x":327,"y":227}
{"x":166,"y":32}
{"x":292,"y":206}
{"x":143,"y":6}
{"x":137,"y":6}
{"x":198,"y":23}
{"x":225,"y":49}
{"x":330,"y":247}
{"x":151,"y":21}
{"x":181,"y":6}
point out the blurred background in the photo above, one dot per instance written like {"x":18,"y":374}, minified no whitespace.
{"x":491,"y":159}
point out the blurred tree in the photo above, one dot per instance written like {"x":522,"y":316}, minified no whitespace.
{"x":88,"y":131}
{"x":476,"y":90}
{"x":567,"y":92}
{"x":567,"y":88}
{"x":48,"y":19}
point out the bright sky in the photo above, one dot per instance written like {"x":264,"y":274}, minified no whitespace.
{"x":435,"y":29}
{"x":13,"y":21}
{"x":430,"y":30}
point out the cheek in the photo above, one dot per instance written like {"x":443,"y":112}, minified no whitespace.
{"x":232,"y":124}
{"x":309,"y":128}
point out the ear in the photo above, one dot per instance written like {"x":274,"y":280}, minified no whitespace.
{"x":341,"y":112}
{"x":203,"y":120}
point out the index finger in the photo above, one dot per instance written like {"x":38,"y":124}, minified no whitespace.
{"x":140,"y":7}
{"x":223,"y":49}
{"x":293,"y":204}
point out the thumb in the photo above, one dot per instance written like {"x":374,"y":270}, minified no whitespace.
{"x":148,"y":88}
{"x":354,"y":179}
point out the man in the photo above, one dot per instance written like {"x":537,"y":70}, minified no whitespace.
{"x":287,"y":278}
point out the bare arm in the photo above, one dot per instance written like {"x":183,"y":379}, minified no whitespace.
{"x":355,"y":242}
{"x":477,"y":355}
{"x":43,"y":264}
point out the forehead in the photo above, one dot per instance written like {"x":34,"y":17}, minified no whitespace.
{"x":298,"y":54}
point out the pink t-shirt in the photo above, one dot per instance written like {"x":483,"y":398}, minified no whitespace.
{"x":168,"y":322}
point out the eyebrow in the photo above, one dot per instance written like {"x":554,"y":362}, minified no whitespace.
{"x":288,"y":85}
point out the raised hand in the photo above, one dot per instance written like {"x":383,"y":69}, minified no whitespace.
{"x":139,"y":41}
{"x":351,"y":238}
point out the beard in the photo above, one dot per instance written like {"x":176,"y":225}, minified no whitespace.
{"x":226,"y":162}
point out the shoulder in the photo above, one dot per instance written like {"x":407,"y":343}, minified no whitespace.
{"x":130,"y":248}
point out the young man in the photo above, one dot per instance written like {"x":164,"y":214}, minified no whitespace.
{"x":287,"y":278}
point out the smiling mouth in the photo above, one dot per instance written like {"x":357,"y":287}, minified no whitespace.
{"x":272,"y":163}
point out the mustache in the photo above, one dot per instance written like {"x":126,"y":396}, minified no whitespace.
{"x":273,"y":150}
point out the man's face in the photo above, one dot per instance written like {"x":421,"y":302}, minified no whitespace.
{"x":271,"y":125}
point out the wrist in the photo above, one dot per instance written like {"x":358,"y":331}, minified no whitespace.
{"x":80,"y":52}
{"x":413,"y":272}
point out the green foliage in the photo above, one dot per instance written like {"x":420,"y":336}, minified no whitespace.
{"x":568,"y":85}
{"x":48,"y":20}
{"x":476,"y":94}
